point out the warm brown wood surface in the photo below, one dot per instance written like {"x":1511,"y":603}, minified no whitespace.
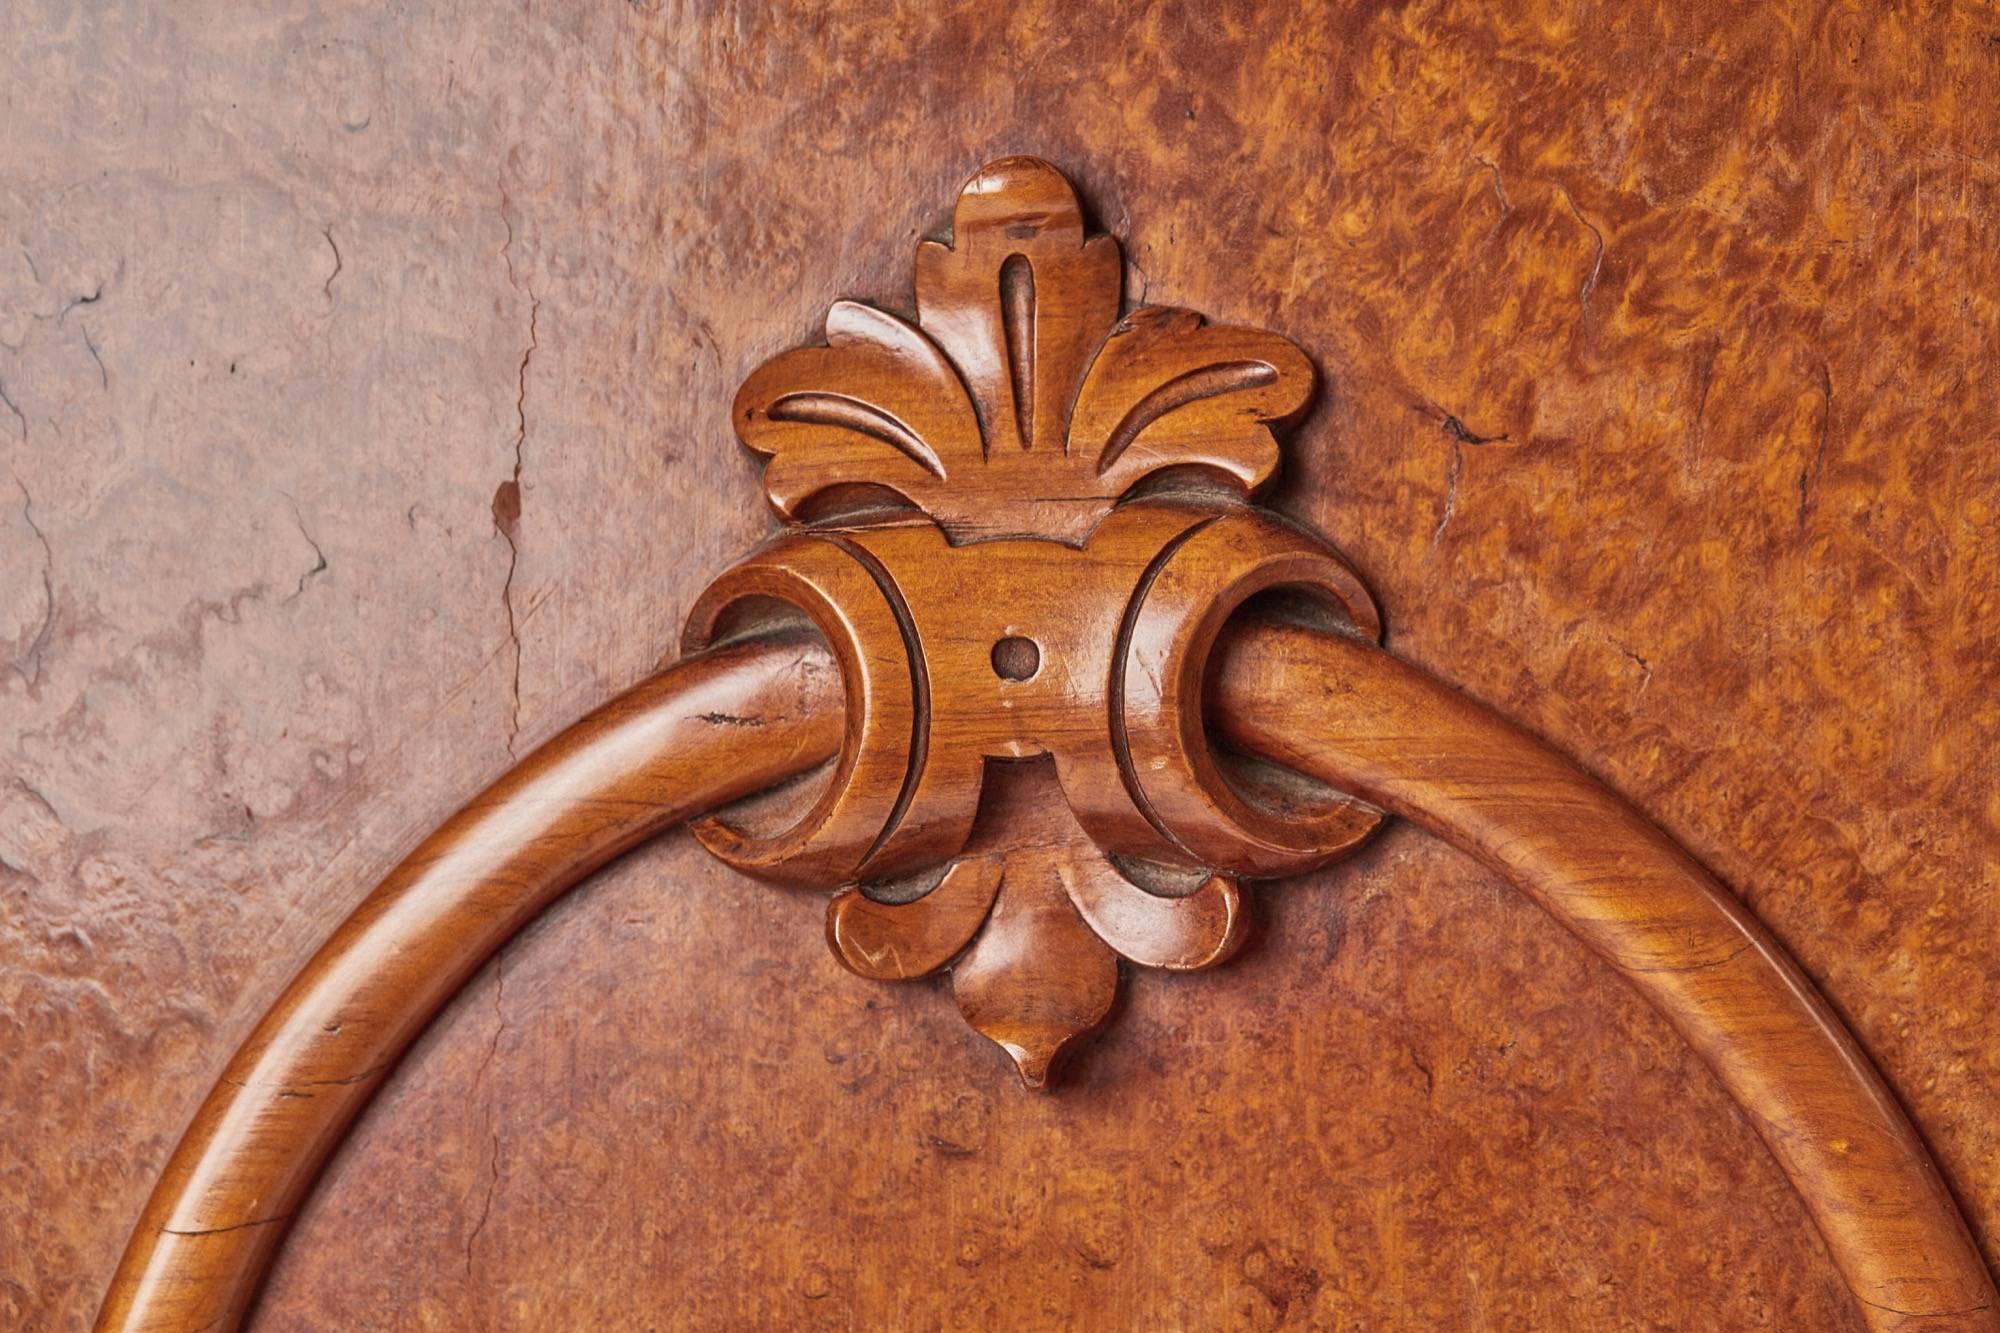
{"x":672,"y":747}
{"x":1331,"y":705}
{"x":1018,"y":522}
{"x":1342,"y":710}
{"x":454,"y":301}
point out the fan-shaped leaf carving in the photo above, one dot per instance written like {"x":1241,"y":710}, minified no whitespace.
{"x":1017,"y":413}
{"x":878,"y":405}
{"x":1169,"y":390}
{"x":1021,"y":407}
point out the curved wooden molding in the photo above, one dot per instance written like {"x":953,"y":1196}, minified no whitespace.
{"x":669,"y":748}
{"x":1352,"y":714}
{"x":995,"y":523}
{"x":1327,"y":704}
{"x":1016,"y":686}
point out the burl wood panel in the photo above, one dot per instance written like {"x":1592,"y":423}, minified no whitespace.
{"x":364,"y":382}
{"x":670,"y":747}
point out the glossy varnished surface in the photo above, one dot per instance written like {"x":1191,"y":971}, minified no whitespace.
{"x":1328,"y":704}
{"x":667,"y":749}
{"x":1346,"y":712}
{"x":1721,"y":277}
{"x":948,"y":487}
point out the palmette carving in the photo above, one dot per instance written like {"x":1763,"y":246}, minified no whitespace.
{"x":1020,"y":522}
{"x":1019,"y":404}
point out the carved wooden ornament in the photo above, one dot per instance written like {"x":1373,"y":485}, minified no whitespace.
{"x":1019,"y":526}
{"x":1020,"y":523}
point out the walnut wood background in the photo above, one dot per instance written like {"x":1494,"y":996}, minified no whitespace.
{"x":364,"y":384}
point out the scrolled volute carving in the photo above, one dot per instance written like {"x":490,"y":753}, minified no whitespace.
{"x":1026,"y":794}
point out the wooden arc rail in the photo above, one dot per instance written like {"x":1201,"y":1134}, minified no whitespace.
{"x":1326,"y":705}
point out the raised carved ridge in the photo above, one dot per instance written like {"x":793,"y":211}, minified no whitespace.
{"x":1018,"y":404}
{"x":760,"y":715}
{"x":1018,"y":606}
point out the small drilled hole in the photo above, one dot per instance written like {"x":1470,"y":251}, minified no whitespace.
{"x":1016,"y":658}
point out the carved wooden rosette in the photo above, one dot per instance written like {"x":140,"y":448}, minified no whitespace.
{"x":963,"y":530}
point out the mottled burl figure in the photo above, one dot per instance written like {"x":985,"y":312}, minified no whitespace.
{"x":363,"y":391}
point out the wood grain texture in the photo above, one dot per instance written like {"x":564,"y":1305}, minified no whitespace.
{"x":1721,"y":277}
{"x":1019,"y":522}
{"x":1034,"y":977}
{"x":672,"y":747}
{"x":1019,"y":403}
{"x":1348,"y":713}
